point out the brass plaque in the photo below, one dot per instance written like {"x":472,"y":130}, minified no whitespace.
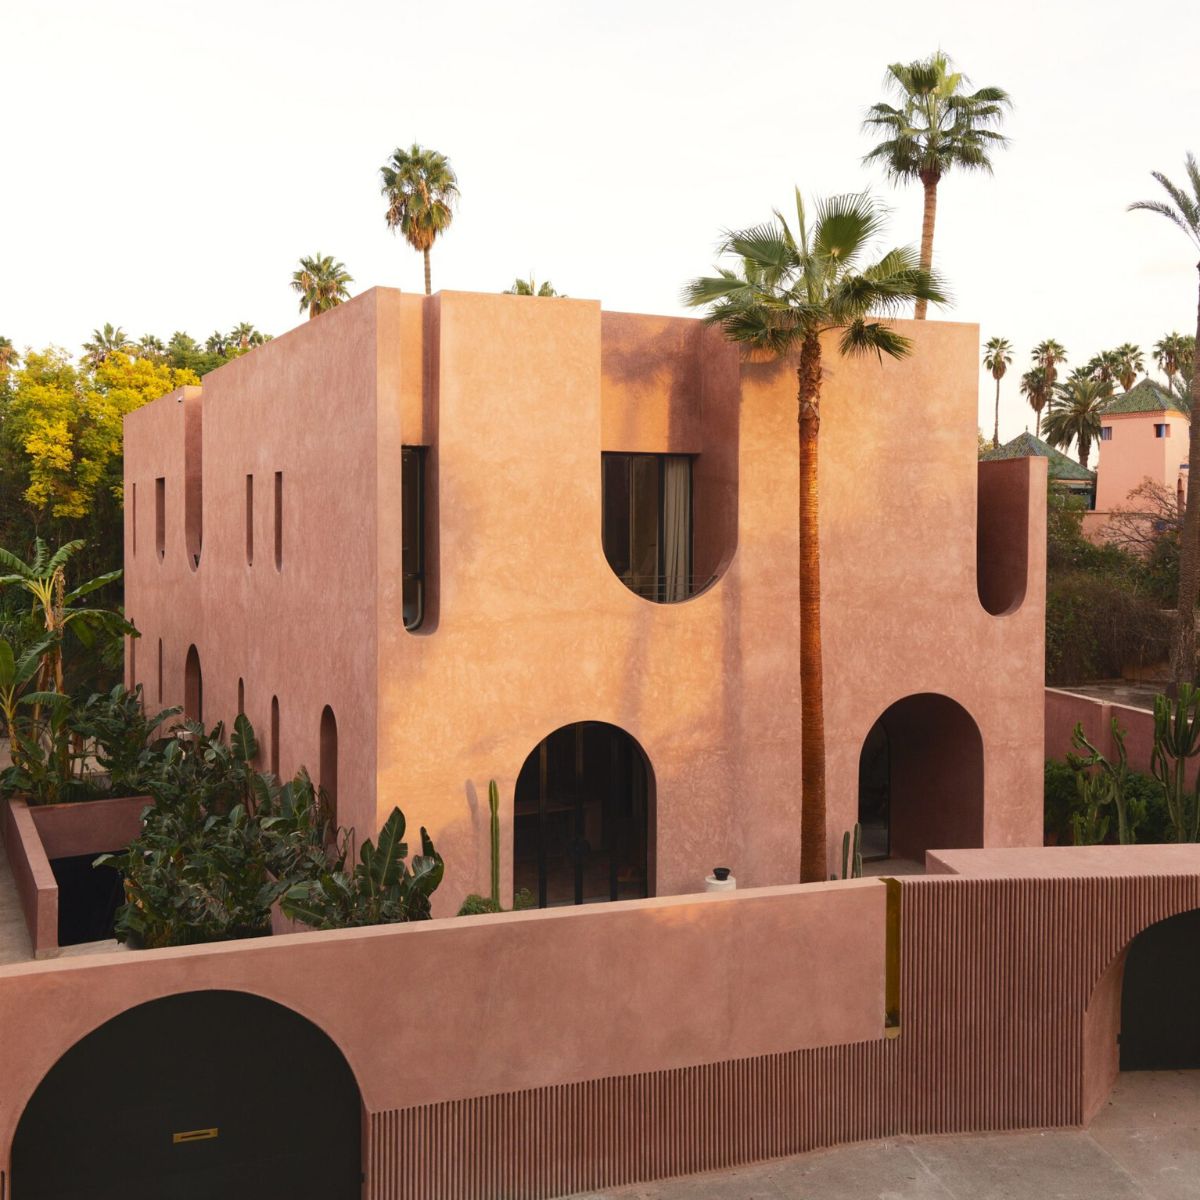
{"x":194,"y":1135}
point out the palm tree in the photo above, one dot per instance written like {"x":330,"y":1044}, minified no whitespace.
{"x":530,"y":287}
{"x":1169,"y":353}
{"x":1075,"y":411}
{"x":1183,"y":211}
{"x":421,"y":189}
{"x":1104,"y":367}
{"x":244,"y":335}
{"x":150,"y":347}
{"x":1130,"y":364}
{"x":937,"y":127}
{"x":1037,"y":389}
{"x":1047,"y":355}
{"x":321,"y":282}
{"x":217,"y":343}
{"x":8,"y":356}
{"x":997,"y":357}
{"x":106,"y":341}
{"x":788,"y":288}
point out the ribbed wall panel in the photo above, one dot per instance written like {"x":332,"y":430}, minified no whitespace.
{"x":996,"y":976}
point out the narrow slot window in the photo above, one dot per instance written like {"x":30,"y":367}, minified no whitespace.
{"x":275,"y":736}
{"x":241,"y":697}
{"x":160,"y":517}
{"x":412,"y":516}
{"x":249,"y":520}
{"x":133,"y":518}
{"x":279,"y":520}
{"x":160,"y":694}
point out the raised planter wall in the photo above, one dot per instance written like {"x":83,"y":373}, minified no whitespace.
{"x":33,"y":835}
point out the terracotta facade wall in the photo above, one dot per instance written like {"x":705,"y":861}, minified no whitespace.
{"x":529,"y":630}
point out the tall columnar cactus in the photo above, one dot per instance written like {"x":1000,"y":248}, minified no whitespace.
{"x":1176,"y":741}
{"x":852,"y":854}
{"x":494,"y":805}
{"x":1100,"y":783}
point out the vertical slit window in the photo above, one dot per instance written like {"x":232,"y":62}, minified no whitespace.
{"x":647,"y":523}
{"x":241,"y":697}
{"x":133,"y":518}
{"x":275,"y":736}
{"x":279,"y":520}
{"x":412,"y":516}
{"x":249,"y":520}
{"x":160,"y":517}
{"x":160,"y":692}
{"x":328,"y":771}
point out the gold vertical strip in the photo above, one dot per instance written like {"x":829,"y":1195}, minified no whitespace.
{"x":891,"y":959}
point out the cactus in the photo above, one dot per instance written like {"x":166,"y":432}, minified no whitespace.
{"x":852,"y":854}
{"x":1177,"y":739}
{"x":1099,"y":783}
{"x":494,"y":805}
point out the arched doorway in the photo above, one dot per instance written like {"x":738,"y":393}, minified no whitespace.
{"x":194,"y":1096}
{"x":920,"y":780}
{"x":1159,"y":1030}
{"x":193,"y":687}
{"x":582,"y":817}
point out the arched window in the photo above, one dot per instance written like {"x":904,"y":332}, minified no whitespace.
{"x":582,"y":817}
{"x":328,"y":775}
{"x":193,"y":687}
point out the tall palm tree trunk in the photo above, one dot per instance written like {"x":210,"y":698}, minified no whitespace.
{"x":428,"y":276}
{"x":814,"y":855}
{"x":930,"y":182}
{"x":996,"y":428}
{"x":1085,"y":450}
{"x":1183,"y":653}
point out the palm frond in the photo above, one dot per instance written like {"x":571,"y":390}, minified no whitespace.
{"x":867,"y":337}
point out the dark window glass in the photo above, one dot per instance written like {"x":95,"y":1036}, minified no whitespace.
{"x":412,"y":519}
{"x":1106,"y":433}
{"x":1162,"y":431}
{"x":646,"y":523}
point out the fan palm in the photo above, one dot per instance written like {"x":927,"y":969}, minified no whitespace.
{"x":106,"y":341}
{"x":530,"y":287}
{"x":321,"y":282}
{"x":244,"y":335}
{"x":150,"y":346}
{"x":937,"y":128}
{"x":1170,"y":353}
{"x":1037,"y":389}
{"x":787,"y":288}
{"x":421,"y":190}
{"x":1075,"y":411}
{"x":996,"y":358}
{"x":1182,"y":209}
{"x":8,"y":356}
{"x":1130,"y":364}
{"x":217,"y":343}
{"x":1104,"y":367}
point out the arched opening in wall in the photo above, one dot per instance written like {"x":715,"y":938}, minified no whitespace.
{"x":1002,"y":535}
{"x":193,"y":687}
{"x":176,"y":1127}
{"x":328,"y":774}
{"x":274,"y":741}
{"x":920,"y":780}
{"x":1159,"y":1029}
{"x":583,"y":818}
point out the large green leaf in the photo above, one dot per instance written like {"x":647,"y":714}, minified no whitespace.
{"x":390,"y":851}
{"x":243,"y":741}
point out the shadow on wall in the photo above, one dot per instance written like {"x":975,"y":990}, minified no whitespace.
{"x":1002,"y":535}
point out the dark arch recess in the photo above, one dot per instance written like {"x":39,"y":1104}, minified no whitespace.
{"x":196,"y":1095}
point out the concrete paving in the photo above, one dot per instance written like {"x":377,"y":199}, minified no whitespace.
{"x":1143,"y":1145}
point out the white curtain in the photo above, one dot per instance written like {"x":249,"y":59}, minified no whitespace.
{"x":677,"y":526}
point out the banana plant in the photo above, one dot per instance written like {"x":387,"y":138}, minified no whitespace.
{"x":44,"y":577}
{"x":18,"y":669}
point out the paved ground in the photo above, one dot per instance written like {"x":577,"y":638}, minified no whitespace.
{"x":1135,"y":695}
{"x":1144,"y":1145}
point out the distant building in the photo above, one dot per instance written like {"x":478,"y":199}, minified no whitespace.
{"x":1143,"y":436}
{"x":1062,"y":472}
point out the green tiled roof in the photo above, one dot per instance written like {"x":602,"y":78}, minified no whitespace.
{"x":1143,"y":397}
{"x":1025,"y":445}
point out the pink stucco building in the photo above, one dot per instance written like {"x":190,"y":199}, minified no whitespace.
{"x":425,"y":543}
{"x":1143,"y":436}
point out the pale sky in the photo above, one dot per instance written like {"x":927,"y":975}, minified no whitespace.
{"x":165,"y":164}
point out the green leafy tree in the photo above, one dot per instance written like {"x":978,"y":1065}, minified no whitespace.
{"x":997,"y":358}
{"x":1075,"y":412}
{"x":151,"y":347}
{"x":321,"y":282}
{"x":421,"y":190}
{"x":786,"y":289}
{"x":217,"y":343}
{"x":1182,"y":209}
{"x":936,"y":126}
